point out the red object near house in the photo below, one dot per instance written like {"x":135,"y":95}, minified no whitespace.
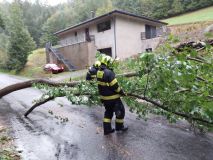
{"x":53,"y":68}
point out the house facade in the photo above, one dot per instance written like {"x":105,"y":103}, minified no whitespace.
{"x":117,"y":33}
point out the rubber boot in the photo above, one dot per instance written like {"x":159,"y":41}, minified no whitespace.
{"x":107,"y":128}
{"x":120,"y":127}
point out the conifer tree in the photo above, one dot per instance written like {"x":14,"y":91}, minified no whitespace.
{"x":21,"y":43}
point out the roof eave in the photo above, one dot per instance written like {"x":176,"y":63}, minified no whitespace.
{"x":85,"y":22}
{"x":106,"y":15}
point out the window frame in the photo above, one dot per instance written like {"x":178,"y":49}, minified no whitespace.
{"x":106,"y":51}
{"x":150,"y":31}
{"x":104,"y":26}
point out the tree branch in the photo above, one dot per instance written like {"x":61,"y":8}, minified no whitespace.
{"x":130,"y":74}
{"x":201,"y":79}
{"x":38,"y":104}
{"x":168,"y":110}
{"x":209,"y":96}
{"x":27,"y":84}
{"x":182,"y":90}
{"x":195,"y":59}
{"x":45,"y":101}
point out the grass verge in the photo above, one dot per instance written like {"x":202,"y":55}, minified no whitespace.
{"x":7,"y":151}
{"x":205,"y":14}
{"x":35,"y":63}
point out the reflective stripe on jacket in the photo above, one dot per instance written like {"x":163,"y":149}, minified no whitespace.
{"x":91,"y":74}
{"x":107,"y":84}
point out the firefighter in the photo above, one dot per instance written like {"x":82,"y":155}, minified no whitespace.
{"x":91,"y":74}
{"x":110,"y":94}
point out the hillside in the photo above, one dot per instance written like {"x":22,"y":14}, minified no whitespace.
{"x":205,"y":14}
{"x":34,"y":66}
{"x":191,"y":31}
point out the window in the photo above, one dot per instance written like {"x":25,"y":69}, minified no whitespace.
{"x":76,"y":34}
{"x":104,"y":26}
{"x":107,"y":51}
{"x":143,"y":35}
{"x":150,"y":31}
{"x":88,"y":39}
{"x":148,"y":49}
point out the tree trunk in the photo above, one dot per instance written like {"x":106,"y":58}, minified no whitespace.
{"x":27,"y":84}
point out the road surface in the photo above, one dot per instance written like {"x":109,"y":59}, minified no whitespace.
{"x":44,"y":135}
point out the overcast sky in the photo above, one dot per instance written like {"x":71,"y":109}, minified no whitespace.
{"x":49,"y":2}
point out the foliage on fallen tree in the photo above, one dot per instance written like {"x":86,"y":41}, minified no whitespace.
{"x":175,"y":84}
{"x":181,"y":81}
{"x":178,"y":84}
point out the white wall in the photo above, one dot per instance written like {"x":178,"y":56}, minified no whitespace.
{"x":70,"y":38}
{"x":103,"y":39}
{"x":128,"y":37}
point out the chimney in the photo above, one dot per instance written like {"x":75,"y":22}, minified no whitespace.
{"x":92,"y":14}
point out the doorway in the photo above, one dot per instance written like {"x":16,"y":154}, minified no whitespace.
{"x":107,"y":51}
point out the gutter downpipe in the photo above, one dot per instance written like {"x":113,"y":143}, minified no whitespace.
{"x":114,"y":20}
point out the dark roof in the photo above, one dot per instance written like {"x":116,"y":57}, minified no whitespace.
{"x":108,"y":14}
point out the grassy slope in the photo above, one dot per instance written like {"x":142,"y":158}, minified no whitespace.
{"x":34,"y":66}
{"x":205,"y":14}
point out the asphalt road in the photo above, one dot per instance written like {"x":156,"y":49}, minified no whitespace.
{"x":44,"y":136}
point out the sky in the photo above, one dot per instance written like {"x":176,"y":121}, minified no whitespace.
{"x":49,"y":2}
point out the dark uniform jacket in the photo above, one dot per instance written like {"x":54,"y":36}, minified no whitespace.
{"x":91,"y":74}
{"x":107,"y":84}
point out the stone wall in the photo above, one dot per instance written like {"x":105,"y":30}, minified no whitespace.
{"x":81,"y":55}
{"x":151,"y":43}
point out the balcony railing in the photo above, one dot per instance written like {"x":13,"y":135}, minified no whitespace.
{"x":73,"y":41}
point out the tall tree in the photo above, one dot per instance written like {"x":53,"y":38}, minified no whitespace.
{"x":161,"y":8}
{"x":1,"y":22}
{"x":107,"y":7}
{"x":177,"y":7}
{"x":21,"y":43}
{"x":67,"y":15}
{"x":34,"y":16}
{"x":133,"y":6}
{"x":3,"y":43}
{"x":60,"y":20}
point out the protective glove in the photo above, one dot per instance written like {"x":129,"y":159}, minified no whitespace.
{"x":123,"y":93}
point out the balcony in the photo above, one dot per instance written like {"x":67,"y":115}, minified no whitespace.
{"x":72,"y":41}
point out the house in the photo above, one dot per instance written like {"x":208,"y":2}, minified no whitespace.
{"x":117,"y":33}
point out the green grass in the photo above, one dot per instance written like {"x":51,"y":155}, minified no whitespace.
{"x":7,"y":150}
{"x":34,"y":66}
{"x":205,"y":14}
{"x":35,"y":63}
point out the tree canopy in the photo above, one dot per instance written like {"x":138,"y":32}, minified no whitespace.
{"x":20,"y":41}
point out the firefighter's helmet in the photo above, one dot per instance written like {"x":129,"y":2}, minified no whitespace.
{"x":97,"y":64}
{"x":107,"y":60}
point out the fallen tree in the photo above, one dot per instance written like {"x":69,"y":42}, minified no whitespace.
{"x":179,"y":85}
{"x":29,"y":83}
{"x":154,"y":103}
